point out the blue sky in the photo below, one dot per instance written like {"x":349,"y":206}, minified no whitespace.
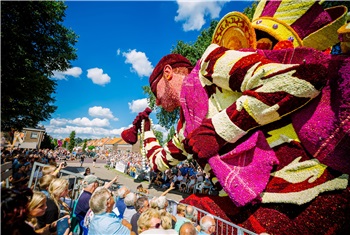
{"x":119,"y":44}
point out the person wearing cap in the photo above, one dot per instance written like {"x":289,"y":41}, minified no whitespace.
{"x":90,"y":184}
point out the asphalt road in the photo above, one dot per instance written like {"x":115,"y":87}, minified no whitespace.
{"x":106,"y":174}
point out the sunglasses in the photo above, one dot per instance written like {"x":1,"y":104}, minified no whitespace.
{"x":157,"y":225}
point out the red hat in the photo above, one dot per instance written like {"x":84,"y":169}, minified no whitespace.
{"x":174,"y":60}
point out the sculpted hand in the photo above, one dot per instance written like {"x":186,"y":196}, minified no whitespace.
{"x":204,"y":141}
{"x":142,"y":115}
{"x":130,"y":134}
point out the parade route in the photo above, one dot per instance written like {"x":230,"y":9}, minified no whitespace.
{"x":105,"y":174}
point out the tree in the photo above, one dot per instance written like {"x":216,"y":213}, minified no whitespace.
{"x":159,"y":136}
{"x":84,"y":146}
{"x":78,"y":141}
{"x":71,"y":144}
{"x":34,"y":43}
{"x":250,"y":10}
{"x":47,"y":142}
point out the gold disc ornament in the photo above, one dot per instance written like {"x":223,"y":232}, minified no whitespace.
{"x":234,"y":31}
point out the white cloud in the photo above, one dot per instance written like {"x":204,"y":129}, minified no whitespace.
{"x":118,"y":51}
{"x":139,"y":62}
{"x":84,"y":127}
{"x":59,"y":122}
{"x":98,"y":77}
{"x":193,"y":13}
{"x":61,"y":75}
{"x":84,"y":121}
{"x":98,"y":111}
{"x":137,"y":106}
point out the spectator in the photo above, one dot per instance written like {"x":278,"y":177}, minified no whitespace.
{"x":130,"y":200}
{"x":122,"y":192}
{"x":153,"y":203}
{"x":82,"y":160}
{"x":20,"y":178}
{"x":104,"y":221}
{"x":87,"y":171}
{"x":141,"y":205}
{"x":183,"y":183}
{"x":14,"y":212}
{"x":150,"y":223}
{"x":58,"y":188}
{"x":90,"y":183}
{"x":166,"y":220}
{"x":177,"y":179}
{"x":207,"y":224}
{"x":187,"y":228}
{"x":37,"y":207}
{"x":192,"y":183}
{"x":163,"y":205}
{"x":158,"y":181}
{"x":45,"y":182}
{"x":200,"y":174}
{"x":188,"y":215}
{"x":180,"y":211}
{"x":48,"y":169}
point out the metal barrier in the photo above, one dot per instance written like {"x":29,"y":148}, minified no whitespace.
{"x":73,"y":178}
{"x":223,"y":227}
{"x":6,"y":172}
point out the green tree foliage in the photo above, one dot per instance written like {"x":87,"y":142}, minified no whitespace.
{"x":171,"y":134}
{"x":55,"y":142}
{"x":34,"y":43}
{"x":84,"y":146}
{"x":159,"y":136}
{"x":194,"y":51}
{"x":250,"y":10}
{"x":78,"y":141}
{"x":71,"y":144}
{"x":47,"y":142}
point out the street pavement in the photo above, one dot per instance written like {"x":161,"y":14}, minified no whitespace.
{"x":105,"y":174}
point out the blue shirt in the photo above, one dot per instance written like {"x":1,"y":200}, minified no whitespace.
{"x":121,"y":206}
{"x":82,"y":205}
{"x":107,"y":223}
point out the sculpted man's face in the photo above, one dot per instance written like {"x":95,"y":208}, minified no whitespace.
{"x":168,"y":89}
{"x":167,"y":96}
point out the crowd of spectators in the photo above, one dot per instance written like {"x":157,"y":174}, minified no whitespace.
{"x":188,"y":177}
{"x":98,"y":209}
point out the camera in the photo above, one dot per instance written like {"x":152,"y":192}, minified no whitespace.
{"x":65,"y":164}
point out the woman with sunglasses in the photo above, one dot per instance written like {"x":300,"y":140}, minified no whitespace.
{"x":150,"y":223}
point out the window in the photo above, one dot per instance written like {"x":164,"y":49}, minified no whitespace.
{"x":34,"y":135}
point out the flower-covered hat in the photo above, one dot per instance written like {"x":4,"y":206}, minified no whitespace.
{"x":303,"y":23}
